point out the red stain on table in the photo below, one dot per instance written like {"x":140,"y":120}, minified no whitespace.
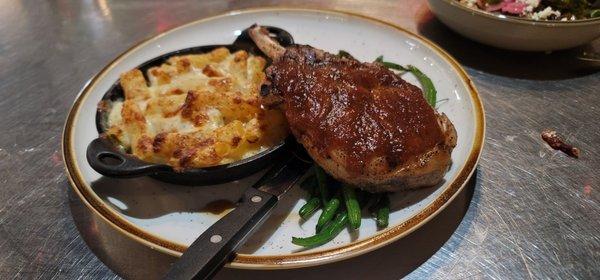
{"x":56,"y":158}
{"x":587,"y":189}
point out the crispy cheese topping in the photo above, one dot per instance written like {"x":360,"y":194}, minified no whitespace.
{"x":196,"y":111}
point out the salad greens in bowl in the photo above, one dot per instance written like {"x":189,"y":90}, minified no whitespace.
{"x":523,"y":25}
{"x":561,"y":10}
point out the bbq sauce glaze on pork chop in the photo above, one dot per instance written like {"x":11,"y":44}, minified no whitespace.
{"x":361,"y":122}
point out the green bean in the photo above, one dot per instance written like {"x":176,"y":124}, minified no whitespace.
{"x":328,"y":212}
{"x":428,"y":88}
{"x":309,"y":208}
{"x":352,"y":206}
{"x":379,"y":59}
{"x":322,"y":184}
{"x":327,"y":234}
{"x":382,"y":211}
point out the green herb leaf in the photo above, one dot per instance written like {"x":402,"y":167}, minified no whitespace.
{"x":429,"y":91}
{"x":428,"y":88}
{"x":579,"y":8}
{"x":343,"y":53}
{"x":391,"y":65}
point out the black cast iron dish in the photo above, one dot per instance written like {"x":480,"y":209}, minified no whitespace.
{"x":107,"y":159}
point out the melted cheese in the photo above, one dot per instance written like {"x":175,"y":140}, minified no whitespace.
{"x":196,"y":111}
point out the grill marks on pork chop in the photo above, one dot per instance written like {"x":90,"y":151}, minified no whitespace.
{"x":359,"y":111}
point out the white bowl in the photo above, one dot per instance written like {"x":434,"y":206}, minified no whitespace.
{"x":514,"y":33}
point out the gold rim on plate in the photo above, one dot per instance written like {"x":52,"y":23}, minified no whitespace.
{"x":92,"y":201}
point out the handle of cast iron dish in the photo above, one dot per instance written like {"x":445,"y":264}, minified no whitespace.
{"x":245,"y":42}
{"x":104,"y":157}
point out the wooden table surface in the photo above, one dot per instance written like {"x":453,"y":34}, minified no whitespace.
{"x":530,"y":212}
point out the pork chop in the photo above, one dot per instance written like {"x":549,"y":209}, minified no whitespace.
{"x":362,"y":123}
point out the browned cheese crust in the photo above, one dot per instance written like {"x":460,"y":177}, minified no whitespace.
{"x":196,"y":111}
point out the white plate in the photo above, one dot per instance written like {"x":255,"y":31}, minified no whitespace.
{"x":169,"y":217}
